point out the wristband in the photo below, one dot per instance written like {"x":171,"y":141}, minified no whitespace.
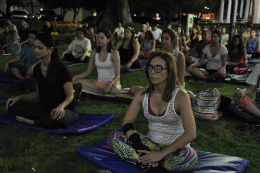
{"x":131,"y":61}
{"x":112,"y":82}
{"x":127,"y":127}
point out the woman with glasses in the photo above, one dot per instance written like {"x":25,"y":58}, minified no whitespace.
{"x":167,"y":107}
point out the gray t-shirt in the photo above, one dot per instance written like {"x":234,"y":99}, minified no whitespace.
{"x":253,"y":78}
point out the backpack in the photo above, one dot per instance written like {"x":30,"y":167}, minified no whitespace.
{"x":206,"y":103}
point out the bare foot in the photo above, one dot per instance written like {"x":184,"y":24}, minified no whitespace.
{"x":22,"y":119}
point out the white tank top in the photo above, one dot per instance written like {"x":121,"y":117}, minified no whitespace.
{"x":106,"y":71}
{"x":167,"y":128}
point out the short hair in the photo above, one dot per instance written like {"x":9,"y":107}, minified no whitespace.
{"x":34,"y":32}
{"x":82,"y":30}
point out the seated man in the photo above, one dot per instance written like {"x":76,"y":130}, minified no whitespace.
{"x":119,"y":31}
{"x":80,"y":47}
{"x":243,"y":101}
{"x":157,"y":34}
{"x":198,"y":46}
{"x":48,"y":28}
{"x":252,"y":44}
{"x":27,"y":52}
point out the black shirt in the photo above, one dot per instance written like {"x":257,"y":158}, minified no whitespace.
{"x":125,"y":54}
{"x":51,"y":98}
{"x":48,"y":30}
{"x":23,"y":34}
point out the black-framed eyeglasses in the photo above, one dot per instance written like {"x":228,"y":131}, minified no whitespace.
{"x":157,"y":68}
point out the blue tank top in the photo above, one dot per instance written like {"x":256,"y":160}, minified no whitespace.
{"x":251,"y":47}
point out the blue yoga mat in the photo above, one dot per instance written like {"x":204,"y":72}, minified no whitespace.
{"x":131,"y":70}
{"x":3,"y":100}
{"x":8,"y":78}
{"x":85,"y":122}
{"x":253,"y":60}
{"x":194,"y":53}
{"x":103,"y":156}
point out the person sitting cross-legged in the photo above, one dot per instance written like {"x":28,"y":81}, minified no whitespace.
{"x":57,"y":107}
{"x":243,"y":101}
{"x":167,"y":107}
{"x":27,"y":52}
{"x":216,"y":54}
{"x":80,"y":47}
{"x":108,"y":67}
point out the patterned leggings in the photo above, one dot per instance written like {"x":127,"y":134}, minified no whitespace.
{"x":181,"y":160}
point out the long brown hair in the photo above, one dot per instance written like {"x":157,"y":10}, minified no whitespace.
{"x":172,"y":80}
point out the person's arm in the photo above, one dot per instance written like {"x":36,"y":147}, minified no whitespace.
{"x":202,"y":58}
{"x":118,"y":44}
{"x":29,"y":72}
{"x":87,"y":50}
{"x":224,"y":62}
{"x":192,"y":49}
{"x":58,"y":112}
{"x":152,"y":47}
{"x":30,"y":96}
{"x":247,"y":91}
{"x":89,"y":69}
{"x":246,"y":42}
{"x":136,"y":53}
{"x":258,"y":44}
{"x":133,"y":110}
{"x":184,"y":41}
{"x":66,"y":51}
{"x":181,"y":68}
{"x":122,"y":33}
{"x":199,"y":37}
{"x":188,"y":40}
{"x":142,"y":43}
{"x":245,"y":57}
{"x":26,"y":41}
{"x":188,"y":122}
{"x":6,"y":64}
{"x":180,"y":44}
{"x":116,"y":61}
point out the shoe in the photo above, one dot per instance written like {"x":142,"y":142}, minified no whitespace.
{"x":78,"y":88}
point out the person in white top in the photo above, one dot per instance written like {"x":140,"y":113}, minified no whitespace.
{"x":108,"y":66}
{"x":119,"y":31}
{"x":149,"y":28}
{"x":80,"y":47}
{"x":142,"y":34}
{"x":216,"y":54}
{"x":157,"y":33}
{"x":167,"y":107}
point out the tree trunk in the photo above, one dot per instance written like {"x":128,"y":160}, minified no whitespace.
{"x":76,"y":12}
{"x":32,"y":6}
{"x":116,"y":11}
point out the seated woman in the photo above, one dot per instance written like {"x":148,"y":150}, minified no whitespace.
{"x":142,"y":33}
{"x":194,"y":37}
{"x":172,"y":127}
{"x":108,"y":67}
{"x":237,"y":53}
{"x":9,"y":40}
{"x":183,"y":47}
{"x":129,"y":49}
{"x":80,"y":47}
{"x":57,"y":107}
{"x":216,"y":54}
{"x":252,"y":44}
{"x":170,"y":45}
{"x":243,"y":101}
{"x":225,"y":36}
{"x":148,"y":44}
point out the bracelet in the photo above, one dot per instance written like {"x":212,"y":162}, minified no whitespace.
{"x":112,"y":82}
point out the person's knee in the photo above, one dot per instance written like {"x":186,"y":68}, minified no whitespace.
{"x":115,"y":91}
{"x":222,"y":74}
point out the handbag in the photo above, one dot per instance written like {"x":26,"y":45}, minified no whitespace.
{"x":206,"y":103}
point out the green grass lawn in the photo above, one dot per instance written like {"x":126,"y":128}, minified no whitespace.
{"x":24,"y":149}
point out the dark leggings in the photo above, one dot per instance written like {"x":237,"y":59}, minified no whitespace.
{"x":137,"y":64}
{"x":70,"y":58}
{"x":41,"y":117}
